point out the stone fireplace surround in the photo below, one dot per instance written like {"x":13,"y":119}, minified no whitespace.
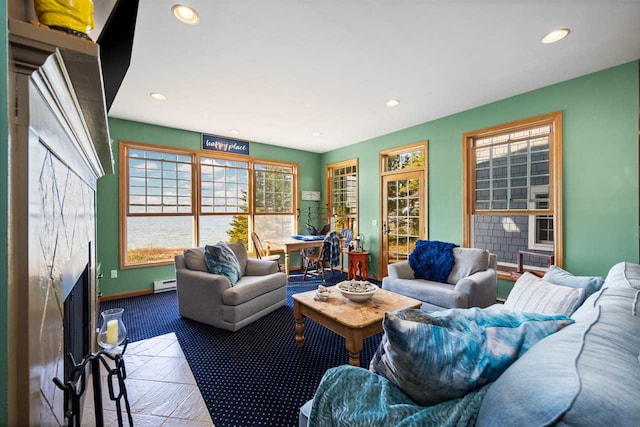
{"x":59,"y":147}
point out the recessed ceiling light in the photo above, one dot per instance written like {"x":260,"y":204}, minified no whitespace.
{"x":556,"y":35}
{"x":234,"y":131}
{"x":185,"y":14}
{"x":316,"y":134}
{"x":392,"y":103}
{"x":158,"y":96}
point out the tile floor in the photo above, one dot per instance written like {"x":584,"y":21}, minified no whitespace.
{"x":160,"y":387}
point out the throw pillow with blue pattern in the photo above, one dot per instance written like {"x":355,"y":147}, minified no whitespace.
{"x":438,"y":356}
{"x":221,"y":260}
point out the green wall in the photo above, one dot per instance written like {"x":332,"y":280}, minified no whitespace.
{"x":600,"y":167}
{"x":600,"y":173}
{"x":4,"y":176}
{"x":136,"y":279}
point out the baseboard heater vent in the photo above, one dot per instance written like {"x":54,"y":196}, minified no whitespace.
{"x":164,"y":286}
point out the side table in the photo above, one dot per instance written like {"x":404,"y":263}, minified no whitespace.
{"x":357,"y":261}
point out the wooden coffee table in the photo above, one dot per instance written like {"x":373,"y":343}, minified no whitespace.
{"x":354,"y":321}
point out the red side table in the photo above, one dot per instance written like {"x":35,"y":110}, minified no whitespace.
{"x":358,"y":261}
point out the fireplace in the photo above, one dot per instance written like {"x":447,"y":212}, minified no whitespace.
{"x":60,"y":146}
{"x":76,"y":320}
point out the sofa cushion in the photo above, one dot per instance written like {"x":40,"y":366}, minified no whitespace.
{"x":438,"y":294}
{"x":194,"y":259}
{"x":221,"y":260}
{"x":625,"y":275}
{"x":558,"y":276}
{"x":432,"y":260}
{"x":533,"y":294}
{"x":438,"y":356}
{"x":467,"y":262}
{"x":250,"y":287}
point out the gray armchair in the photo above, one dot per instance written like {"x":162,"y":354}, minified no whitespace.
{"x":210,"y":298}
{"x":473,"y":282}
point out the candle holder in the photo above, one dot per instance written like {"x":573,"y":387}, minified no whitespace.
{"x":112,"y":332}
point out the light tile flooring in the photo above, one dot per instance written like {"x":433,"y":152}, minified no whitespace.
{"x":160,"y":387}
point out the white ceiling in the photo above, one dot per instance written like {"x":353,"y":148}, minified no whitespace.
{"x":279,"y":70}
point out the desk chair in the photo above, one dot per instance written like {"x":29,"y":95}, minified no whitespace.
{"x":317,"y":262}
{"x":261,"y":253}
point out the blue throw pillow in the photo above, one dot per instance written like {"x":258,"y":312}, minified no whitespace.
{"x":438,"y":356}
{"x":432,"y":260}
{"x":558,"y":276}
{"x":221,"y":260}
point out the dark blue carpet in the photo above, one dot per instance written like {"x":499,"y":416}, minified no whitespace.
{"x":256,"y":376}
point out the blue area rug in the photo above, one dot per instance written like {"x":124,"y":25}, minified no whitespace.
{"x":256,"y":376}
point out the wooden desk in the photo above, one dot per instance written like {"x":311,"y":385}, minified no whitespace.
{"x":357,"y":261}
{"x":354,"y":321}
{"x":289,"y":244}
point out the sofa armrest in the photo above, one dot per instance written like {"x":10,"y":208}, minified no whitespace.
{"x":400,"y":270}
{"x":200,"y":295}
{"x":260,"y":267}
{"x":198,"y":286}
{"x":482,"y":288}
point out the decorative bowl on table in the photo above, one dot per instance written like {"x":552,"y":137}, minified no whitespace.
{"x":356,"y":290}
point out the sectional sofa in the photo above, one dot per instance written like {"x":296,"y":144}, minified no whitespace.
{"x":586,"y":374}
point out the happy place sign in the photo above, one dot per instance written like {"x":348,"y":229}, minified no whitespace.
{"x":225,"y":145}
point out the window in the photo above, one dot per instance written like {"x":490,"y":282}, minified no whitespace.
{"x":224,"y":202}
{"x":513,"y":176}
{"x":342,"y":185}
{"x":159,"y":204}
{"x":274,"y":202}
{"x":540,"y":226}
{"x":174,"y":199}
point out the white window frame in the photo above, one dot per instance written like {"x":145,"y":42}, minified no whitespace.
{"x":533,"y":224}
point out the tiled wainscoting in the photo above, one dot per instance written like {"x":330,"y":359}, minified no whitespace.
{"x":160,"y":386}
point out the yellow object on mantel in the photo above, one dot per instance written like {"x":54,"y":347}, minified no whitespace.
{"x":76,"y":15}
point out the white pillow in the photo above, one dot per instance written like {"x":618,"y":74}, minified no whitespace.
{"x":534,"y":295}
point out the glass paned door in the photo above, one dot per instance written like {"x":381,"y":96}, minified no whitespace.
{"x":403,"y":219}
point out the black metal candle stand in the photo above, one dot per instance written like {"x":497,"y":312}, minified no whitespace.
{"x":76,"y":386}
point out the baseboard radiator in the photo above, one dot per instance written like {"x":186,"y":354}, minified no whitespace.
{"x":164,"y":286}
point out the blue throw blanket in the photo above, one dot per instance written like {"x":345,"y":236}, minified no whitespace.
{"x":432,"y":260}
{"x":353,"y":396}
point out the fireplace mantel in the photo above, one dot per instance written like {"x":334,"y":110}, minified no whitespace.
{"x":59,"y":146}
{"x":31,"y":45}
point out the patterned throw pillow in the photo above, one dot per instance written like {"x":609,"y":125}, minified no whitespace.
{"x":442,"y":355}
{"x":535,"y":295}
{"x":221,"y":260}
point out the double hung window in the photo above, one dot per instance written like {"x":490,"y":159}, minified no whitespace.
{"x":513,"y":176}
{"x":159,"y":204}
{"x":342,"y":184}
